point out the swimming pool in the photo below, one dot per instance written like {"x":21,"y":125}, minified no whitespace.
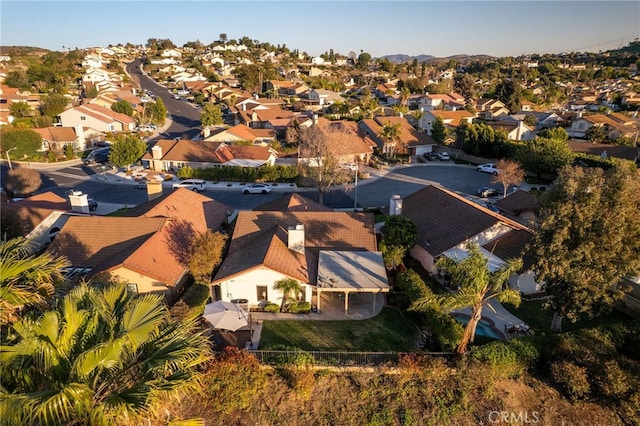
{"x":484,"y":327}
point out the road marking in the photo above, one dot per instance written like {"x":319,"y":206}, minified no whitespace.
{"x":69,"y":175}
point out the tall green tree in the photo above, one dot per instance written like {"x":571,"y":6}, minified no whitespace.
{"x":439,"y":131}
{"x":27,"y":278}
{"x":54,"y":104}
{"x":158,"y":112}
{"x":477,"y":286}
{"x":211,"y":115}
{"x":123,"y":107}
{"x":20,"y":110}
{"x":26,"y":141}
{"x":390,"y":133}
{"x":102,"y":357}
{"x":289,"y":288}
{"x":596,"y":134}
{"x":126,"y":150}
{"x":588,"y":238}
{"x":557,"y":133}
{"x":399,"y":235}
{"x":363,"y":60}
{"x":206,"y":255}
{"x":545,"y":156}
{"x":510,"y":93}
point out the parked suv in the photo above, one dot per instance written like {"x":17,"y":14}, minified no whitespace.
{"x":197,"y":185}
{"x":97,"y":156}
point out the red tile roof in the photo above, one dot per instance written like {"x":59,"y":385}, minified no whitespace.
{"x":260,"y":240}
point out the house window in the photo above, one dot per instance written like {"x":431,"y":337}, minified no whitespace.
{"x":133,"y":288}
{"x":581,"y":126}
{"x":262,"y":293}
{"x":83,"y":118}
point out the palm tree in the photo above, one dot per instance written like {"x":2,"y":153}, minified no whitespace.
{"x":26,"y":278}
{"x":390,"y":133}
{"x":288,"y":287}
{"x":477,"y":286}
{"x":102,"y":356}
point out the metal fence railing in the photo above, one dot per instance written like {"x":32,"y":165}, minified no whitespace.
{"x":338,"y":359}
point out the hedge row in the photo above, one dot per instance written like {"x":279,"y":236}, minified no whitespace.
{"x":242,"y":174}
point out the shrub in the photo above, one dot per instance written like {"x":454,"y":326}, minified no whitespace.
{"x":510,"y":358}
{"x":68,"y":152}
{"x":192,"y":302}
{"x":236,"y":378}
{"x":572,"y":378}
{"x":300,"y":308}
{"x":52,"y":157}
{"x":292,"y":357}
{"x":185,"y":172}
{"x":22,"y":181}
{"x":412,"y":284}
{"x":271,"y":307}
{"x":613,"y":381}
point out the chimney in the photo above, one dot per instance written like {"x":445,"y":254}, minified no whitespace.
{"x":154,"y":189}
{"x":79,"y":202}
{"x":395,"y":205}
{"x":82,"y":142}
{"x":296,"y":238}
{"x":315,"y":118}
{"x":156,"y":152}
{"x":244,"y":107}
{"x":206,"y":132}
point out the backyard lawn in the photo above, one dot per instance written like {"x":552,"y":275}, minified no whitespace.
{"x":388,"y":331}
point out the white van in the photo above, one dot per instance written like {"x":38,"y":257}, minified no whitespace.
{"x":197,"y":185}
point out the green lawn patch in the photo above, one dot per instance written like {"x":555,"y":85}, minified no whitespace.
{"x":539,"y":319}
{"x":388,"y":331}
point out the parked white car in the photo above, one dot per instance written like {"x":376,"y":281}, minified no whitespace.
{"x":444,"y":156}
{"x":488,"y":168}
{"x":257,"y":188}
{"x":197,"y":185}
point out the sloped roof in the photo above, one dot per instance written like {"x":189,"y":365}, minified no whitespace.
{"x":57,"y":134}
{"x":33,"y":210}
{"x":455,"y":117}
{"x":149,"y":246}
{"x":517,"y":202}
{"x":445,"y":219}
{"x":208,"y":152}
{"x":292,"y":202}
{"x":351,"y":142}
{"x":624,"y":152}
{"x":260,"y":240}
{"x":512,"y":245}
{"x":409,"y":135}
{"x":199,"y":210}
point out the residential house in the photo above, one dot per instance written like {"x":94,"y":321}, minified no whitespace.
{"x":447,"y":222}
{"x":515,"y":130}
{"x":519,"y":206}
{"x":147,"y":251}
{"x":325,"y":252}
{"x":411,"y":141}
{"x":173,"y":154}
{"x":491,"y":109}
{"x":350,"y":147}
{"x":447,"y":101}
{"x":451,"y":119}
{"x":616,"y":124}
{"x":9,"y":95}
{"x":321,"y":97}
{"x":55,"y":138}
{"x":544,"y":120}
{"x":98,"y":118}
{"x":240,"y":133}
{"x":171,"y":53}
{"x":631,"y":153}
{"x":38,"y":218}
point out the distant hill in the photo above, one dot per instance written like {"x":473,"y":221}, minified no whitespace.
{"x":401,"y":58}
{"x":22,"y":50}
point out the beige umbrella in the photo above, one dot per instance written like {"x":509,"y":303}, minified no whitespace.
{"x":226,"y":315}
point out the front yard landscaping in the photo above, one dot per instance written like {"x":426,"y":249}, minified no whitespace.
{"x":388,"y":331}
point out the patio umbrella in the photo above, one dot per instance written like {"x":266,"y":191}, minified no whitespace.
{"x":225,"y":315}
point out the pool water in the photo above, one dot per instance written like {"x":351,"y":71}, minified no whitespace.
{"x":484,"y":328}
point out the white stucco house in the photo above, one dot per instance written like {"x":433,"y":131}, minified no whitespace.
{"x":324,"y":251}
{"x":447,"y":222}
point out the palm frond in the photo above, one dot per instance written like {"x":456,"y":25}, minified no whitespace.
{"x":143,"y":316}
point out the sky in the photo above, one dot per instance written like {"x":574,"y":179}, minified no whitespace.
{"x":438,"y":28}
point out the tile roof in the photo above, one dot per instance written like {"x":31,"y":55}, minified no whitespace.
{"x":201,"y":211}
{"x":292,"y":202}
{"x":445,"y":219}
{"x":512,"y":245}
{"x":32,"y":211}
{"x":350,"y":142}
{"x":105,"y":113}
{"x":409,"y":135}
{"x":149,"y":246}
{"x":518,"y":202}
{"x":57,"y":134}
{"x":208,"y":152}
{"x":456,"y":117}
{"x":260,"y":240}
{"x":626,"y":152}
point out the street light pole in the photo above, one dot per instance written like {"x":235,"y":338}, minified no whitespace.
{"x":9,"y":158}
{"x":355,"y":199}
